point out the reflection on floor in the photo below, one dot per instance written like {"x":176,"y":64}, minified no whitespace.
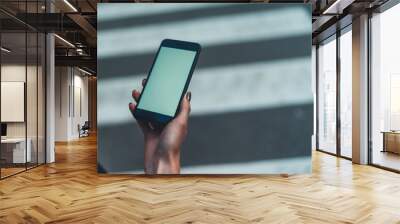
{"x":387,"y":159}
{"x":71,"y":191}
{"x":11,"y":169}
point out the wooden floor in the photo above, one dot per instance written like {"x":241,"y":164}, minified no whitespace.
{"x":70,"y":191}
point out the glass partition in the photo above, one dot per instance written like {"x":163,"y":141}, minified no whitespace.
{"x":22,"y":89}
{"x":31,"y":98}
{"x":41,"y":107}
{"x":32,"y":103}
{"x":13,"y":110}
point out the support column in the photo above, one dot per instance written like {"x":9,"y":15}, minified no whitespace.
{"x":360,"y":90}
{"x":50,"y":92}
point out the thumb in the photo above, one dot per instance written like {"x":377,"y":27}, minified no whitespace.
{"x":183,"y":115}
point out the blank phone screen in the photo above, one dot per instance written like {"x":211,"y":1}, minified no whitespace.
{"x":167,"y":80}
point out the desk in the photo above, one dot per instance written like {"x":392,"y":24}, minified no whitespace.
{"x":13,"y":150}
{"x":391,"y":141}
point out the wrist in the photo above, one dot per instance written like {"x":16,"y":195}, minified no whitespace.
{"x":150,"y":157}
{"x":168,"y":161}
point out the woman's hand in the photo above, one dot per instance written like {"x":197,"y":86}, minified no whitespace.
{"x":163,"y":143}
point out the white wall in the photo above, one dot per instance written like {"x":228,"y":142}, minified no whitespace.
{"x":79,"y":110}
{"x":17,"y":73}
{"x":14,"y":73}
{"x":70,"y":83}
{"x":62,"y":81}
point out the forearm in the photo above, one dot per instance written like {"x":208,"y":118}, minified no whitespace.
{"x":169,"y":162}
{"x":150,"y":157}
{"x":160,"y":161}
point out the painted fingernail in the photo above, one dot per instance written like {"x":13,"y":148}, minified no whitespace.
{"x":189,"y":96}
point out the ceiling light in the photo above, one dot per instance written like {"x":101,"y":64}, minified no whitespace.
{"x":337,"y":7}
{"x":84,"y":71}
{"x":70,"y":5}
{"x":326,"y":11}
{"x":65,"y":41}
{"x":5,"y":50}
{"x":79,"y":51}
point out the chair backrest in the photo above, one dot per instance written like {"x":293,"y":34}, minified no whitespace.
{"x":86,"y":125}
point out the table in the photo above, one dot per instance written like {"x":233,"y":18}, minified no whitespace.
{"x":13,"y":150}
{"x":391,"y":141}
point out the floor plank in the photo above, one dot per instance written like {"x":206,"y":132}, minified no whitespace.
{"x":71,"y":191}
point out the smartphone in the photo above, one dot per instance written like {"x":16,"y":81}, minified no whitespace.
{"x":167,"y":81}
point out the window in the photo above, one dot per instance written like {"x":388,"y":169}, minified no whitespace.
{"x":346,"y":92}
{"x":327,"y":95}
{"x":385,"y":89}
